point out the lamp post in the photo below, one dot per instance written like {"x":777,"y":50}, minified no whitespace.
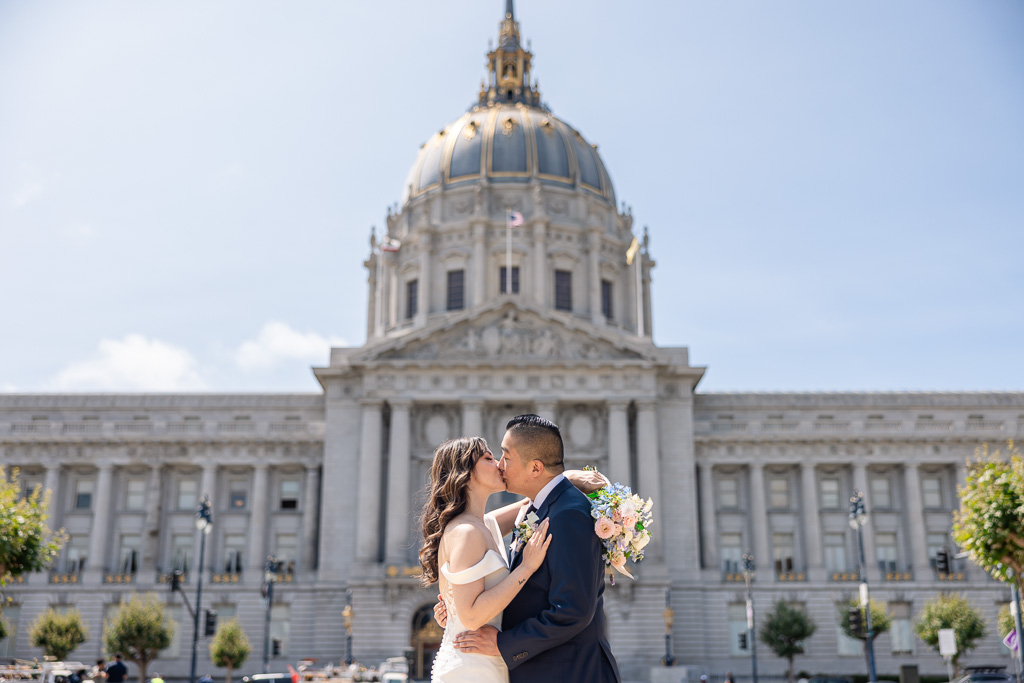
{"x":668,"y":660}
{"x":204,"y":523}
{"x":748,"y":576}
{"x":858,"y":518}
{"x":270,"y":571}
{"x":347,"y":613}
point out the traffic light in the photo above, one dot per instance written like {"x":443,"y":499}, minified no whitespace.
{"x":176,"y":580}
{"x":743,"y":641}
{"x":942,"y":561}
{"x":275,"y":647}
{"x":856,"y":621}
{"x":211,"y":622}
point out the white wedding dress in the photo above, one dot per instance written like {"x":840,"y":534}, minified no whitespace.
{"x":450,"y":665}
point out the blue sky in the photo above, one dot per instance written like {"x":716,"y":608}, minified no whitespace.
{"x":835,"y":191}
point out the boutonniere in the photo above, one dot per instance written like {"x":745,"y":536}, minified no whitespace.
{"x":522,"y":532}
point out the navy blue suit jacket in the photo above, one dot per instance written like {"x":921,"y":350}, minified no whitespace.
{"x":554,"y":629}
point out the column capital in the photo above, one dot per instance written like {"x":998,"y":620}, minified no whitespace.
{"x":645,"y":403}
{"x":617,"y":404}
{"x":400,"y":403}
{"x":377,"y":403}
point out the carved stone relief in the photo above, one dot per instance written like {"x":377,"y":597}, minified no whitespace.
{"x":434,"y":424}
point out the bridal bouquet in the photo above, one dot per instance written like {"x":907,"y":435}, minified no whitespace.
{"x":622,"y":523}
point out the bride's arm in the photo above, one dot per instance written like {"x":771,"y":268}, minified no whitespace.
{"x":506,"y":516}
{"x":468,"y":546}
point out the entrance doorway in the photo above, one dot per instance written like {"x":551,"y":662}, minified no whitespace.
{"x":426,"y":639}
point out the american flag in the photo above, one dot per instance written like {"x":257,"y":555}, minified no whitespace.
{"x":390,"y":244}
{"x":515,"y":219}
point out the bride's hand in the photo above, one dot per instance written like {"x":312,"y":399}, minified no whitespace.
{"x":537,"y":547}
{"x":587,"y":481}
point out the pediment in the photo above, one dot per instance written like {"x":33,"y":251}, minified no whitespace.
{"x":510,"y":332}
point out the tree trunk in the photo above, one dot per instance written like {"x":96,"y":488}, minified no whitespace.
{"x":142,"y":671}
{"x":228,"y":679}
{"x":790,"y":672}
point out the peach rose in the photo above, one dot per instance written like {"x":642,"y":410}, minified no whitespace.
{"x":604,"y":527}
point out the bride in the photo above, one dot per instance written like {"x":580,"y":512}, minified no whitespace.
{"x":464,"y":553}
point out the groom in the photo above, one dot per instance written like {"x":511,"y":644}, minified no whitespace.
{"x":554,"y":629}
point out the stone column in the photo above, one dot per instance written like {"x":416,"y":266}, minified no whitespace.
{"x":472,"y":420}
{"x":397,"y":540}
{"x":368,"y":524}
{"x":151,"y":540}
{"x":708,"y":520}
{"x":258,"y":522}
{"x":540,"y":264}
{"x":763,"y":560}
{"x":812,"y":522}
{"x":594,"y":274}
{"x":310,"y":508}
{"x":479,"y":266}
{"x":207,"y":487}
{"x":648,"y":474}
{"x":52,"y":484}
{"x":100,"y":534}
{"x":546,"y":409}
{"x":915,"y":527}
{"x":618,"y":442}
{"x":860,"y":483}
{"x":426,"y":257}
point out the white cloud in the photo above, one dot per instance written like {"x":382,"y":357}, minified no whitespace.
{"x":26,"y":194}
{"x":134,"y":363}
{"x":278,"y":342}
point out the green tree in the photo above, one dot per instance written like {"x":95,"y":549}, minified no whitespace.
{"x":139,"y":630}
{"x":1004,"y":620}
{"x":951,"y":610}
{"x":58,"y":633}
{"x":880,"y":621}
{"x":784,"y":630}
{"x":26,"y":543}
{"x":991,"y":516}
{"x":230,"y":647}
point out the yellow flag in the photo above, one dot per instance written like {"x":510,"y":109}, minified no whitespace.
{"x":634,"y":247}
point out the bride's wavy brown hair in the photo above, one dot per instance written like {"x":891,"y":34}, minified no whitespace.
{"x":447,"y":493}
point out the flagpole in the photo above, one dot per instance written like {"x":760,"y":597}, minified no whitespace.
{"x":508,"y":251}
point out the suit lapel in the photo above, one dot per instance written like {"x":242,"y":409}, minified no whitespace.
{"x":542,"y":512}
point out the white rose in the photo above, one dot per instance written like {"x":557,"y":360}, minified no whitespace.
{"x":642,"y":541}
{"x":532,"y":519}
{"x":627,"y":508}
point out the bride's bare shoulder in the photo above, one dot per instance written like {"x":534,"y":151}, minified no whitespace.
{"x":466,"y":542}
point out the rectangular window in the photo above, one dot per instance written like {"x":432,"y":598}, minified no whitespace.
{"x":29,"y":486}
{"x":188,"y":494}
{"x":931,"y":490}
{"x":287,"y":552}
{"x":885,"y":551}
{"x":11,"y":615}
{"x":731,"y":551}
{"x":728,"y":493}
{"x":829,"y":493}
{"x":456,"y":290}
{"x":238,"y":494}
{"x":515,"y":280}
{"x":737,"y":627}
{"x":234,"y":545}
{"x":289,"y":494}
{"x":77,"y":554}
{"x":181,"y":552}
{"x":783,"y":552}
{"x":835,"y":552}
{"x":778,"y":493}
{"x":563,"y":290}
{"x":847,"y":646}
{"x":135,"y":494}
{"x":83,"y":494}
{"x":280,"y":629}
{"x":412,"y":292}
{"x":881,"y":494}
{"x":900,"y":632}
{"x":606,"y":299}
{"x":128,"y":555}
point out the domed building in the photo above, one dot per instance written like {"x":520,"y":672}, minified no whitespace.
{"x":507,"y":282}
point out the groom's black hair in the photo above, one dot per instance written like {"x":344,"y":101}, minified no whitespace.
{"x":538,"y":439}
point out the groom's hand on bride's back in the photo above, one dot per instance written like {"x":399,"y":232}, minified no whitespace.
{"x":483,"y":641}
{"x":441,"y":612}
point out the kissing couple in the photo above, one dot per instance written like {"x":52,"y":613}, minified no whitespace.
{"x":537,"y":615}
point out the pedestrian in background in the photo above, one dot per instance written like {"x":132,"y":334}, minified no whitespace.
{"x":117,"y":672}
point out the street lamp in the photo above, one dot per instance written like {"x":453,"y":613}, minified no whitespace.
{"x":204,"y":524}
{"x":270,"y":571}
{"x":748,"y":576}
{"x":858,"y":518}
{"x":668,"y":660}
{"x":347,"y":613}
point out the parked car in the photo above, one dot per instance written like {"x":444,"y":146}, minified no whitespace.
{"x":271,"y":678}
{"x":987,"y":675}
{"x":829,"y":679}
